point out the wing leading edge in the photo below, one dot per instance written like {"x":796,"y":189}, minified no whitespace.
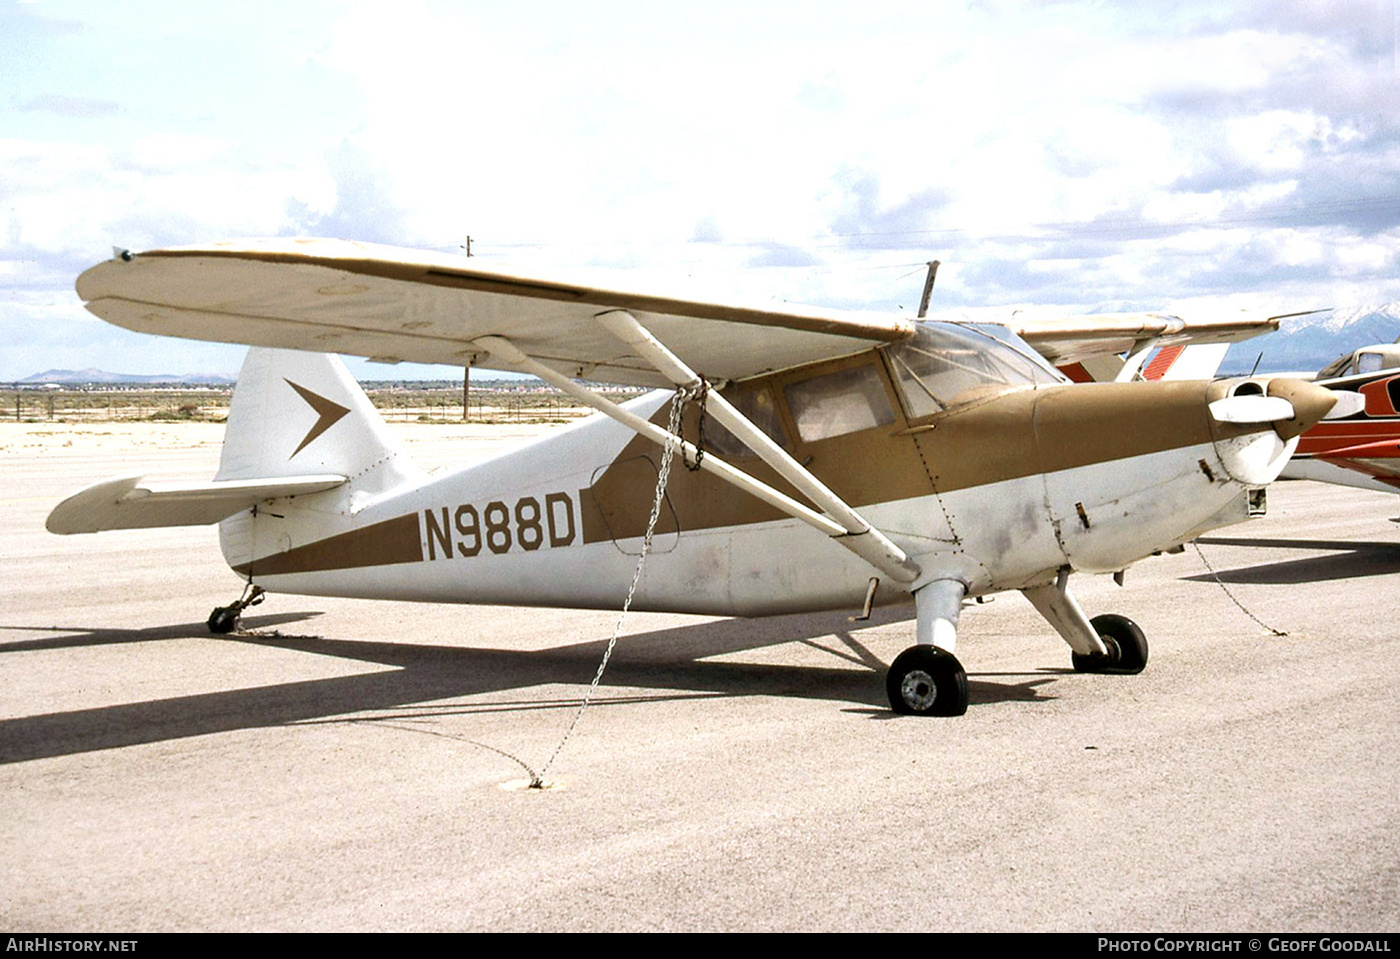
{"x":390,"y":304}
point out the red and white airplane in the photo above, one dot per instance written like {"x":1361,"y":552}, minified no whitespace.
{"x":839,"y":460}
{"x":1361,"y":445}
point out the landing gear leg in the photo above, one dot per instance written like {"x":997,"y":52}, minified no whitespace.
{"x":927,"y":679}
{"x":1105,"y":644}
{"x":224,"y":619}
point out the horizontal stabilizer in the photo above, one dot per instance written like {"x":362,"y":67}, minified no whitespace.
{"x":127,"y":503}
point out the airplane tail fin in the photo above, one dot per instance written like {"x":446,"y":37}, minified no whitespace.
{"x":1192,"y":361}
{"x":299,"y":427}
{"x":296,"y":413}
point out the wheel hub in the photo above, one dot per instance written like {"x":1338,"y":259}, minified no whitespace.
{"x":1115,"y":652}
{"x":919,"y":690}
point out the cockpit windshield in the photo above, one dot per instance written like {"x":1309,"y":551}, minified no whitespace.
{"x":945,"y":364}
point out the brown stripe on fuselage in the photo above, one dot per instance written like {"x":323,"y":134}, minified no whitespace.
{"x":610,"y":508}
{"x":1003,"y":436}
{"x":619,"y":502}
{"x":847,"y":464}
{"x":1025,"y":432}
{"x":388,"y":543}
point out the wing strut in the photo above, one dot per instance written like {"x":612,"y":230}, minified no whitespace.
{"x":859,"y":537}
{"x":1136,"y":357}
{"x":892,"y":559}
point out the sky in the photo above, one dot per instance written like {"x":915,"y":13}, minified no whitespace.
{"x":1193,"y":157}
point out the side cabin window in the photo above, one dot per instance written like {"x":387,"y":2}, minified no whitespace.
{"x":1369,"y":362}
{"x":834,"y":404}
{"x":946,"y":364}
{"x":758,"y":405}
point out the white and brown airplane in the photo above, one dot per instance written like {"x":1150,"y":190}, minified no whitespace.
{"x":844,"y":460}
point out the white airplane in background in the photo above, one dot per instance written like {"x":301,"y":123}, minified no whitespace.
{"x":847,"y":460}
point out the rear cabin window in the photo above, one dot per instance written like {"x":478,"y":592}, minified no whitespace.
{"x":758,"y":405}
{"x":838,"y":403}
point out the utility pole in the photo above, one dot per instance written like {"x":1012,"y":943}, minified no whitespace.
{"x":467,"y":370}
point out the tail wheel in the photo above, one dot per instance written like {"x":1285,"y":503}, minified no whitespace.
{"x":927,"y":681}
{"x":1127,"y":647}
{"x":224,"y":619}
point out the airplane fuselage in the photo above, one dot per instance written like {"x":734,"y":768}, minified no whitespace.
{"x":1001,"y":491}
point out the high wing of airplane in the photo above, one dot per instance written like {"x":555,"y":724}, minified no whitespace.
{"x":1121,"y":347}
{"x":838,"y":460}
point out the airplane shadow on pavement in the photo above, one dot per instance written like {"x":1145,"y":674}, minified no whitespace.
{"x":1347,"y":559}
{"x":672,"y":659}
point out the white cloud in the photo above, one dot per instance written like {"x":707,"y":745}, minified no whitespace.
{"x":1074,"y":153}
{"x":69,"y":200}
{"x":161,"y":153}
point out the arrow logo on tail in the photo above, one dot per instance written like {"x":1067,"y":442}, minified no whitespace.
{"x":328,"y":413}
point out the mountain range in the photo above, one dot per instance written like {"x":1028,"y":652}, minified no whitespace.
{"x":1308,"y":343}
{"x":92,"y":376}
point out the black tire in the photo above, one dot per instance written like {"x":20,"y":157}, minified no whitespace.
{"x":1127,"y":647}
{"x":927,"y":681}
{"x":223,"y":619}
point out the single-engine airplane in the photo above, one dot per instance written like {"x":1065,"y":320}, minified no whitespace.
{"x":839,"y":459}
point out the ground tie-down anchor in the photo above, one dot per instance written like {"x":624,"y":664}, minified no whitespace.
{"x":224,"y":619}
{"x":673,"y":445}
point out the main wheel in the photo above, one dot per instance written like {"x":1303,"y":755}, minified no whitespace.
{"x":927,"y":681}
{"x":1127,"y":647}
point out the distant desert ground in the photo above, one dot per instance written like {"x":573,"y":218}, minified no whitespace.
{"x":432,"y":445}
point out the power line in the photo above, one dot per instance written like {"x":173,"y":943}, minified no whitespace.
{"x":1321,"y":213}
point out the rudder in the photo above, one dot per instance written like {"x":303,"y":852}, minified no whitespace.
{"x":294,"y":414}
